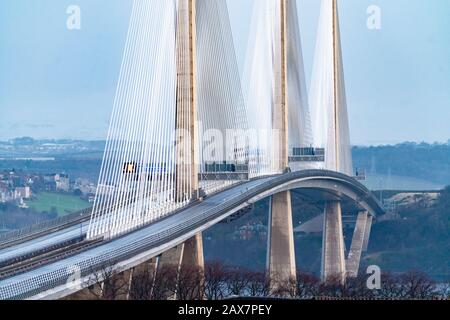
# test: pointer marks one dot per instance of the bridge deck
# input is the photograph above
(157, 237)
(43, 241)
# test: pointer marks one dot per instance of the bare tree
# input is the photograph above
(357, 288)
(307, 285)
(283, 288)
(218, 281)
(165, 283)
(106, 283)
(258, 285)
(390, 287)
(168, 282)
(238, 280)
(333, 287)
(142, 285)
(417, 285)
(216, 277)
(190, 283)
(445, 290)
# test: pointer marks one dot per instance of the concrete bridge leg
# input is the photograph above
(281, 251)
(193, 261)
(173, 257)
(188, 256)
(367, 233)
(169, 259)
(333, 257)
(354, 255)
(146, 267)
(193, 252)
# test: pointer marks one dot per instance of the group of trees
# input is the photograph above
(219, 281)
(12, 217)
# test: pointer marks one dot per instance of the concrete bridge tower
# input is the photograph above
(187, 144)
(281, 252)
(333, 250)
(187, 158)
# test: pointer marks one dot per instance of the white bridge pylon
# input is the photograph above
(262, 78)
(166, 83)
(327, 94)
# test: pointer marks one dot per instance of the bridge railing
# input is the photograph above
(12, 236)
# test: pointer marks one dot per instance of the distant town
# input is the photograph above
(20, 186)
(45, 179)
(31, 167)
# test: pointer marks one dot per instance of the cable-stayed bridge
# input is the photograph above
(188, 146)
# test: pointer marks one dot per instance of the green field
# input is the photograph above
(63, 203)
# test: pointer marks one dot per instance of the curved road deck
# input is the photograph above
(49, 281)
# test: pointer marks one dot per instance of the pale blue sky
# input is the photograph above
(56, 83)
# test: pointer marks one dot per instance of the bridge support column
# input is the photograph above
(280, 251)
(333, 257)
(193, 252)
(146, 267)
(354, 255)
(367, 233)
(164, 288)
(189, 253)
(187, 153)
(173, 257)
(193, 265)
(187, 258)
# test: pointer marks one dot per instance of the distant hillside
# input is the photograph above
(57, 148)
(428, 162)
(419, 240)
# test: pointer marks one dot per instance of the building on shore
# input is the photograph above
(22, 193)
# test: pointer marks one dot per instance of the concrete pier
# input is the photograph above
(188, 255)
(367, 233)
(193, 252)
(333, 257)
(354, 255)
(172, 257)
(187, 153)
(281, 252)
